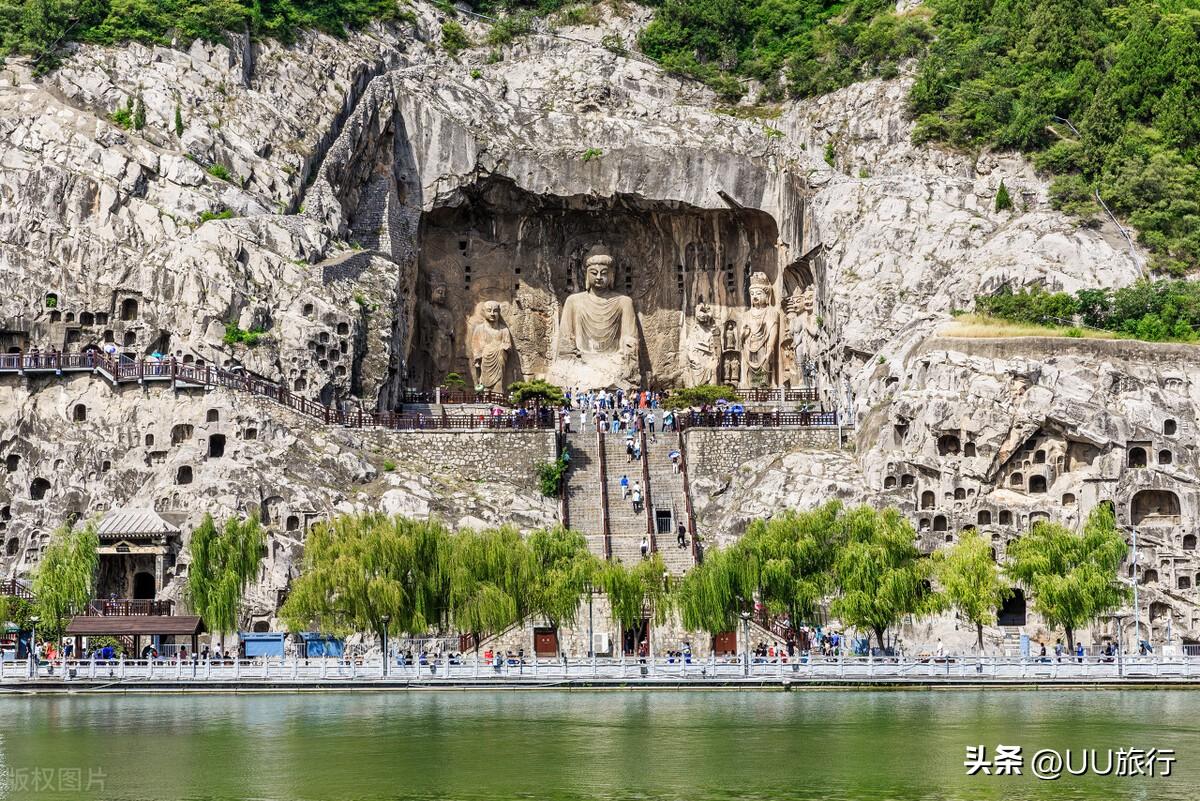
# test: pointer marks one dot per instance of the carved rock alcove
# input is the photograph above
(494, 241)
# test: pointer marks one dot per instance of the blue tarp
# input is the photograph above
(318, 645)
(262, 643)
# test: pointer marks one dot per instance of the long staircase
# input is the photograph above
(596, 507)
(626, 527)
(670, 497)
(585, 501)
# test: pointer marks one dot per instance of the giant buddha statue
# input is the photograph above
(598, 338)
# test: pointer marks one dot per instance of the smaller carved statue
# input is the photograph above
(490, 343)
(703, 348)
(760, 335)
(802, 334)
(438, 333)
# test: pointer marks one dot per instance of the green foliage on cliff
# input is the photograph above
(1155, 311)
(37, 26)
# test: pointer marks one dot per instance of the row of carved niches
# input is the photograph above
(508, 287)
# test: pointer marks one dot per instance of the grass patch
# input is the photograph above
(984, 326)
(223, 214)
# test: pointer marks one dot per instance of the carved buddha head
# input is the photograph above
(704, 315)
(438, 294)
(599, 273)
(760, 290)
(491, 311)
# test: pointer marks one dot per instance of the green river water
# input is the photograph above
(644, 746)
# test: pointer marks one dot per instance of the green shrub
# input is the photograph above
(236, 336)
(1003, 201)
(476, 74)
(510, 27)
(123, 117)
(591, 154)
(614, 43)
(550, 476)
(139, 114)
(389, 466)
(454, 38)
(830, 154)
(178, 120)
(223, 214)
(220, 171)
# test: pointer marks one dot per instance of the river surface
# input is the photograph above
(640, 746)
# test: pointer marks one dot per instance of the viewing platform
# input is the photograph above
(119, 369)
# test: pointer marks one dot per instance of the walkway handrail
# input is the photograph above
(684, 669)
(646, 496)
(129, 607)
(602, 459)
(687, 496)
(776, 419)
(120, 368)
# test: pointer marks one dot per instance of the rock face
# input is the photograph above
(332, 215)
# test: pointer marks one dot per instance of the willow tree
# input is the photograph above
(490, 574)
(222, 565)
(713, 595)
(66, 576)
(879, 572)
(370, 572)
(971, 581)
(792, 556)
(1071, 576)
(634, 590)
(564, 572)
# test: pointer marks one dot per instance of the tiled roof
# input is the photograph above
(129, 522)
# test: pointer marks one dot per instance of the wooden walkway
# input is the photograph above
(120, 370)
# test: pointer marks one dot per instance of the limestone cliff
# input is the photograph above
(321, 193)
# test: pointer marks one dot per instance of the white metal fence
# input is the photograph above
(663, 669)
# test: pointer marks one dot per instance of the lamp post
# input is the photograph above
(1120, 618)
(385, 619)
(1137, 612)
(34, 620)
(746, 643)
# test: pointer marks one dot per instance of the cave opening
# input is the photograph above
(525, 251)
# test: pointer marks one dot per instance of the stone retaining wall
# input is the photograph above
(493, 456)
(717, 452)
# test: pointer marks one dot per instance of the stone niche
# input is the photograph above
(497, 242)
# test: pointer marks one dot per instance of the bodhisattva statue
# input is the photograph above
(490, 343)
(803, 331)
(598, 336)
(760, 335)
(438, 333)
(703, 349)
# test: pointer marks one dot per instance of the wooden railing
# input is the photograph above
(693, 419)
(604, 525)
(15, 588)
(687, 497)
(125, 607)
(779, 395)
(646, 498)
(455, 396)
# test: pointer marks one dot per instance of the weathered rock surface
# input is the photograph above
(362, 173)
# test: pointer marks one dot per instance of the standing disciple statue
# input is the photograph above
(760, 335)
(598, 338)
(490, 342)
(703, 349)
